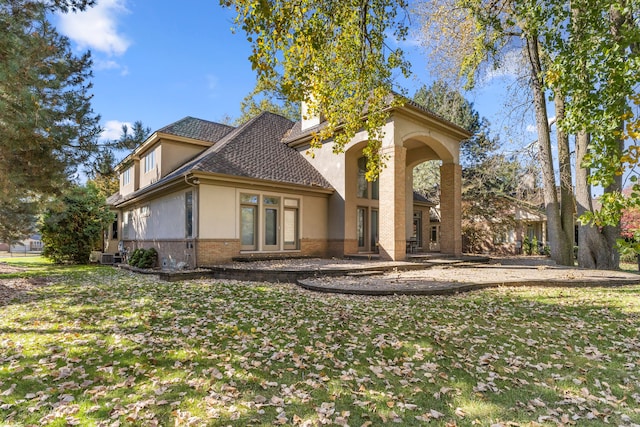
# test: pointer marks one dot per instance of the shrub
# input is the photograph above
(535, 250)
(143, 258)
(148, 258)
(134, 259)
(72, 225)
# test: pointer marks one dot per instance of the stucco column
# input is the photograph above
(392, 206)
(450, 208)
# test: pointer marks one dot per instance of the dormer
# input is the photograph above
(167, 149)
(129, 174)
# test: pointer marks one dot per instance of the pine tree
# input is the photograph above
(47, 126)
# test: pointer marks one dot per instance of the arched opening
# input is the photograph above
(362, 201)
(432, 176)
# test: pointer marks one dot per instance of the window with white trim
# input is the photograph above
(126, 177)
(150, 161)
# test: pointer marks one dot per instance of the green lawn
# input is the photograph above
(97, 346)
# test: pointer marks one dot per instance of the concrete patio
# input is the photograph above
(420, 275)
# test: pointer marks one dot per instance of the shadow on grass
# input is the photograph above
(247, 354)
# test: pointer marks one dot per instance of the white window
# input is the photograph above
(269, 223)
(150, 161)
(145, 211)
(126, 177)
(125, 225)
(249, 221)
(188, 210)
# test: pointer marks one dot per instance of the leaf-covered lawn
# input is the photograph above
(97, 346)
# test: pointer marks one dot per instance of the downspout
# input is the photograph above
(195, 202)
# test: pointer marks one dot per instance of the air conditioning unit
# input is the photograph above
(106, 259)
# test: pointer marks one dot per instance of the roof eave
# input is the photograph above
(217, 177)
(409, 108)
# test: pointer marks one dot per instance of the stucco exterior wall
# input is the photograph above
(147, 178)
(314, 218)
(175, 154)
(439, 145)
(219, 212)
(161, 218)
(129, 188)
(218, 216)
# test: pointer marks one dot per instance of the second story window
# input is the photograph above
(150, 161)
(365, 189)
(126, 177)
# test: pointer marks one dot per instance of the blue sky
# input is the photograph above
(159, 61)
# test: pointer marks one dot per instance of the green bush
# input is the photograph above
(134, 259)
(629, 257)
(535, 250)
(148, 258)
(143, 258)
(72, 225)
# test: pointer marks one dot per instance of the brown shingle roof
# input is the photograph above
(256, 150)
(203, 130)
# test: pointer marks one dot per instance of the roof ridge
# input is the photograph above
(240, 130)
(196, 119)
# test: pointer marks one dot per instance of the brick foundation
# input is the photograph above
(314, 248)
(217, 251)
(170, 252)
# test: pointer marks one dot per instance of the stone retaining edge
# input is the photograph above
(449, 288)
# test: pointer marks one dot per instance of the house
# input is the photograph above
(204, 193)
(30, 244)
(518, 225)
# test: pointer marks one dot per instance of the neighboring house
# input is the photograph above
(204, 193)
(519, 222)
(33, 243)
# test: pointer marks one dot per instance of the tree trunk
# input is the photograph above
(595, 249)
(596, 246)
(561, 250)
(567, 201)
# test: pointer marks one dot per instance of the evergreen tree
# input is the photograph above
(489, 179)
(47, 126)
(72, 226)
(263, 99)
(17, 219)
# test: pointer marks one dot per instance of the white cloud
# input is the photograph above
(99, 65)
(105, 65)
(97, 27)
(532, 128)
(112, 129)
(511, 66)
